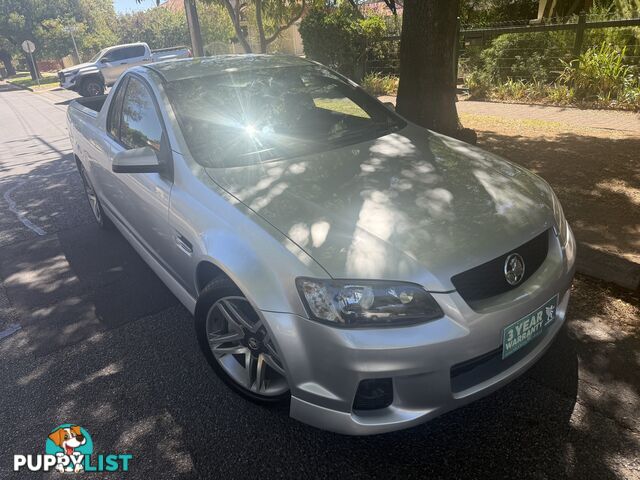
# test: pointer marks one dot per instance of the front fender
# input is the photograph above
(264, 268)
(256, 256)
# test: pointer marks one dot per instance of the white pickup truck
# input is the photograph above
(90, 79)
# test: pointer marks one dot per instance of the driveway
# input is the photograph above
(89, 335)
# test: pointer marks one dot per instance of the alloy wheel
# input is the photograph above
(242, 346)
(94, 203)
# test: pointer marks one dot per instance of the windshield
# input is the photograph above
(244, 118)
(97, 56)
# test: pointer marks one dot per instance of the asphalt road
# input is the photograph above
(102, 343)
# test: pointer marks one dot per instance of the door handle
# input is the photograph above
(184, 244)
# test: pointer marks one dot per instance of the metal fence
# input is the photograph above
(551, 43)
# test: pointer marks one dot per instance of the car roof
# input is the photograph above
(123, 45)
(180, 69)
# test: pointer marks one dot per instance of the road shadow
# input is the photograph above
(41, 195)
(59, 269)
(7, 87)
(607, 339)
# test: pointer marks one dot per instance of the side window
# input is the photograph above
(111, 56)
(130, 52)
(137, 51)
(115, 111)
(123, 53)
(140, 125)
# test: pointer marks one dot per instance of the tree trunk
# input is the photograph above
(427, 89)
(234, 14)
(261, 36)
(5, 57)
(194, 28)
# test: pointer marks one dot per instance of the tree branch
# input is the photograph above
(291, 21)
(355, 7)
(391, 4)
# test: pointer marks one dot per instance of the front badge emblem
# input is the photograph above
(514, 269)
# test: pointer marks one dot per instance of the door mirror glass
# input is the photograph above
(137, 160)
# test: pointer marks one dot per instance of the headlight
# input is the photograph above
(374, 303)
(562, 227)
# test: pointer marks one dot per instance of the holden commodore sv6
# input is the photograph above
(370, 272)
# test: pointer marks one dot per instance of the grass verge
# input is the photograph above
(24, 80)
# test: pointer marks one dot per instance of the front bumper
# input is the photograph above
(325, 365)
(67, 82)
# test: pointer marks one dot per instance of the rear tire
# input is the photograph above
(233, 361)
(94, 202)
(91, 87)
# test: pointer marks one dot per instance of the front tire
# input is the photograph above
(237, 345)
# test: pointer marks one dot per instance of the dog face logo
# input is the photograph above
(68, 438)
(70, 443)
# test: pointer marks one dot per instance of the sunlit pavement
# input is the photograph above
(103, 344)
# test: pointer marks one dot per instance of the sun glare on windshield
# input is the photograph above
(240, 118)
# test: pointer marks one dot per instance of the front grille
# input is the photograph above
(488, 279)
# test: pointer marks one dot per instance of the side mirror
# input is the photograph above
(138, 160)
(390, 106)
(104, 60)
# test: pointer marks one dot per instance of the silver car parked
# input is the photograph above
(373, 273)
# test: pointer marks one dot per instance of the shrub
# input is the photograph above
(521, 90)
(377, 84)
(631, 96)
(599, 74)
(532, 56)
(479, 84)
(628, 37)
(560, 94)
(511, 90)
(340, 39)
(598, 78)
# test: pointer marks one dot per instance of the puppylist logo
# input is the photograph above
(69, 448)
